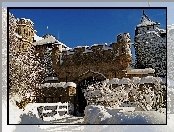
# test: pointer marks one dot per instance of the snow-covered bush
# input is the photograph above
(145, 92)
(101, 94)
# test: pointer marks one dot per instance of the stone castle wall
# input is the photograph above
(108, 60)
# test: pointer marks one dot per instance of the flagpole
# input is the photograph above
(58, 35)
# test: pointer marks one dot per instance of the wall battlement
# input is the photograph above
(107, 59)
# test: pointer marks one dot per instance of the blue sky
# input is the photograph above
(78, 27)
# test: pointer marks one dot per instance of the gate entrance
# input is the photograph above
(81, 87)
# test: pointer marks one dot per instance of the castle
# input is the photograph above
(68, 69)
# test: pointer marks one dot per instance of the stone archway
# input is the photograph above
(84, 80)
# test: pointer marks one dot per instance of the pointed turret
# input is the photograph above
(145, 21)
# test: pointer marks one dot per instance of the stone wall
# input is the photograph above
(109, 60)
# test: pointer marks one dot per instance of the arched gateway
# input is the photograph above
(86, 79)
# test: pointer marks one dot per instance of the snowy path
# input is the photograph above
(68, 120)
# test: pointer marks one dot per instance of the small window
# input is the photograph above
(24, 31)
(123, 50)
(147, 28)
(19, 31)
(16, 30)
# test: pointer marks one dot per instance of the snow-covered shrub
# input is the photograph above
(145, 92)
(101, 94)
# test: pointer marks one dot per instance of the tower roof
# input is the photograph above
(145, 21)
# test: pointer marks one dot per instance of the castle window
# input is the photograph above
(24, 31)
(37, 47)
(147, 28)
(29, 33)
(16, 30)
(19, 31)
(123, 50)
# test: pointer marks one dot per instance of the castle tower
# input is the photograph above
(150, 46)
(124, 43)
(25, 28)
(25, 33)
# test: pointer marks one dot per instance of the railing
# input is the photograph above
(53, 110)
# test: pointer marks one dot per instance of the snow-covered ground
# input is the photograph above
(103, 115)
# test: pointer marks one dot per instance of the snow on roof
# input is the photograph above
(37, 38)
(150, 79)
(46, 40)
(63, 44)
(49, 39)
(69, 52)
(162, 30)
(105, 47)
(140, 71)
(135, 80)
(65, 49)
(145, 21)
(72, 84)
(51, 78)
(56, 85)
(150, 33)
(87, 50)
(27, 20)
(114, 81)
(81, 46)
(124, 81)
(98, 44)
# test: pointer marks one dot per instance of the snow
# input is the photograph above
(97, 45)
(51, 78)
(70, 52)
(49, 39)
(105, 47)
(27, 20)
(124, 81)
(46, 40)
(17, 35)
(150, 79)
(140, 71)
(72, 84)
(114, 81)
(56, 85)
(145, 21)
(37, 38)
(82, 46)
(123, 37)
(135, 80)
(87, 50)
(105, 115)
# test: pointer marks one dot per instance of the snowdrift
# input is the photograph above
(105, 115)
